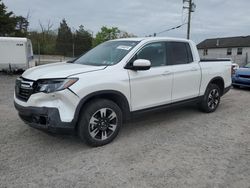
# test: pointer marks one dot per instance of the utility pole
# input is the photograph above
(189, 19)
(73, 49)
(73, 41)
(39, 52)
(191, 8)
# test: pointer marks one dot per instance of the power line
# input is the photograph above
(176, 27)
(172, 28)
(191, 8)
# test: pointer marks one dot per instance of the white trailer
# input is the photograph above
(16, 53)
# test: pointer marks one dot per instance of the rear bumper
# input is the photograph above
(44, 118)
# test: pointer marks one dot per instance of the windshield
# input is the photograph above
(247, 65)
(107, 53)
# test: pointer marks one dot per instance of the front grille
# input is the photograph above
(245, 76)
(24, 88)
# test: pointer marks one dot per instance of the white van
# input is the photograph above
(15, 53)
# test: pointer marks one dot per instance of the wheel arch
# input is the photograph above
(219, 81)
(112, 95)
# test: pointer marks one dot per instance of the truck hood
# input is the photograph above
(58, 70)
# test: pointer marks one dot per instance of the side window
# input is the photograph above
(229, 51)
(239, 51)
(204, 52)
(154, 52)
(179, 52)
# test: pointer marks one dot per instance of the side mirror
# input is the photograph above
(141, 64)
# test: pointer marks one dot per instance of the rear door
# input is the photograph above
(186, 72)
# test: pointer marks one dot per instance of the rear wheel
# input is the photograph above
(211, 99)
(100, 122)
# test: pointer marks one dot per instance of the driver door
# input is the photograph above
(150, 88)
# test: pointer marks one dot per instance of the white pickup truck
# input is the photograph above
(96, 92)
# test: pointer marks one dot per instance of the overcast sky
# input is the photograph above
(212, 18)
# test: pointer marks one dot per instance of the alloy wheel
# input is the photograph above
(213, 99)
(103, 124)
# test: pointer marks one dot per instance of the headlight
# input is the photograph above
(52, 85)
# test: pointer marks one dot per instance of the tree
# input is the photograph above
(47, 39)
(106, 34)
(22, 25)
(124, 34)
(44, 42)
(64, 39)
(11, 25)
(110, 33)
(7, 21)
(82, 41)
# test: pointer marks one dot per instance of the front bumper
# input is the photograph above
(44, 118)
(245, 82)
(240, 84)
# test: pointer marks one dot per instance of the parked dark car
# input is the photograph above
(241, 77)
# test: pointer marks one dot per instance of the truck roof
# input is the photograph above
(152, 39)
(16, 39)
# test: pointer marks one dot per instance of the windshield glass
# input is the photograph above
(247, 65)
(107, 53)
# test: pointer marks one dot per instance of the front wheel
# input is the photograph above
(100, 122)
(211, 99)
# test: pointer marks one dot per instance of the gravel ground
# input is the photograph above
(173, 148)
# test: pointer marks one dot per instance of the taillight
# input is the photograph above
(233, 70)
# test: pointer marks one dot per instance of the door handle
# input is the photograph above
(166, 73)
(193, 69)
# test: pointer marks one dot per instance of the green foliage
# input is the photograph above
(50, 42)
(64, 43)
(43, 42)
(110, 33)
(82, 41)
(22, 25)
(124, 34)
(11, 25)
(106, 34)
(7, 21)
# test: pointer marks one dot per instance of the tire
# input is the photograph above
(211, 99)
(99, 122)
